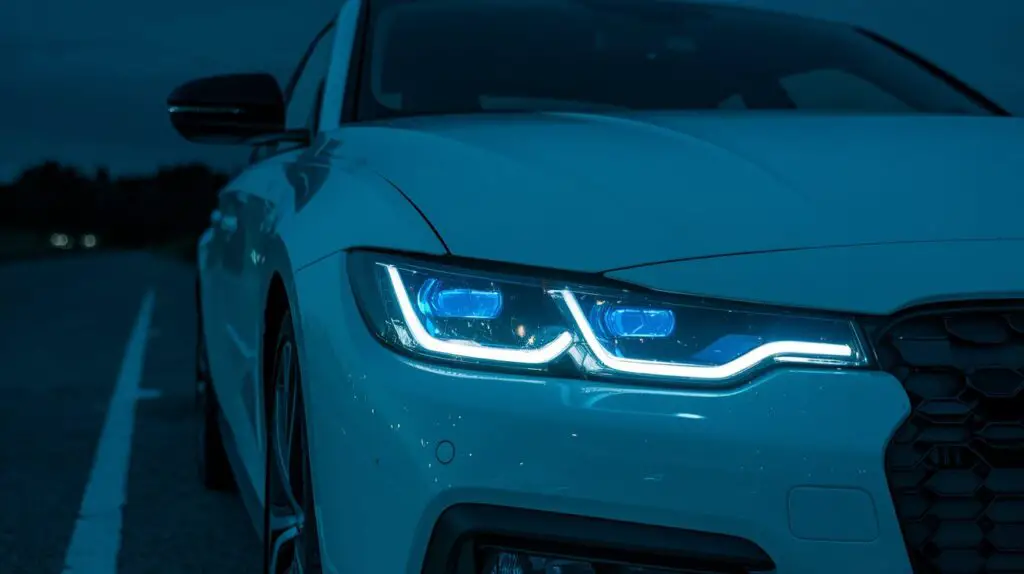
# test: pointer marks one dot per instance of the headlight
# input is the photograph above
(496, 320)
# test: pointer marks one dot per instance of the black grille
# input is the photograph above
(956, 466)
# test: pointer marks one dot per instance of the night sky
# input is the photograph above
(84, 82)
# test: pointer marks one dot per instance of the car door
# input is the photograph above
(256, 208)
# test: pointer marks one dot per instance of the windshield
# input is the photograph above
(427, 57)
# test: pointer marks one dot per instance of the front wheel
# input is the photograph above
(290, 538)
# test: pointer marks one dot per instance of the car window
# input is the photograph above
(503, 55)
(305, 93)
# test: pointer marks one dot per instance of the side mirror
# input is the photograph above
(228, 109)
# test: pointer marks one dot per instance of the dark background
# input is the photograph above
(167, 209)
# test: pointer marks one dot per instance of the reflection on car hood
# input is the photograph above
(597, 192)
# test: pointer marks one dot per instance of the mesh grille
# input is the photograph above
(956, 465)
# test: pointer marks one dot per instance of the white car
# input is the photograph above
(610, 286)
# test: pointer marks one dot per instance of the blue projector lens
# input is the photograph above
(639, 322)
(437, 300)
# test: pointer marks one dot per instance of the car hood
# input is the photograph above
(592, 192)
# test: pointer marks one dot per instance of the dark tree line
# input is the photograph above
(133, 211)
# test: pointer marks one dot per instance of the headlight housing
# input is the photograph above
(497, 320)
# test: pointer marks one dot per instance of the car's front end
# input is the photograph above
(824, 374)
(765, 318)
(468, 418)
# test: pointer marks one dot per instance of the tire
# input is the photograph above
(290, 540)
(214, 469)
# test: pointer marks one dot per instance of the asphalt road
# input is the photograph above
(66, 327)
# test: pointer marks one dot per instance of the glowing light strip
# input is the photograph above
(690, 371)
(471, 349)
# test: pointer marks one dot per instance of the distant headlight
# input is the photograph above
(60, 240)
(490, 319)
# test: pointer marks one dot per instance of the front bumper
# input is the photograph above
(792, 465)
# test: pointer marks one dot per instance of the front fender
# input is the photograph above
(328, 205)
(350, 206)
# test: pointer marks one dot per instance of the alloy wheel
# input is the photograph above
(292, 545)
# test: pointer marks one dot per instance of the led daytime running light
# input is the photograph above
(471, 349)
(778, 350)
(789, 351)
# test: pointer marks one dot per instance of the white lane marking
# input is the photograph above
(96, 540)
